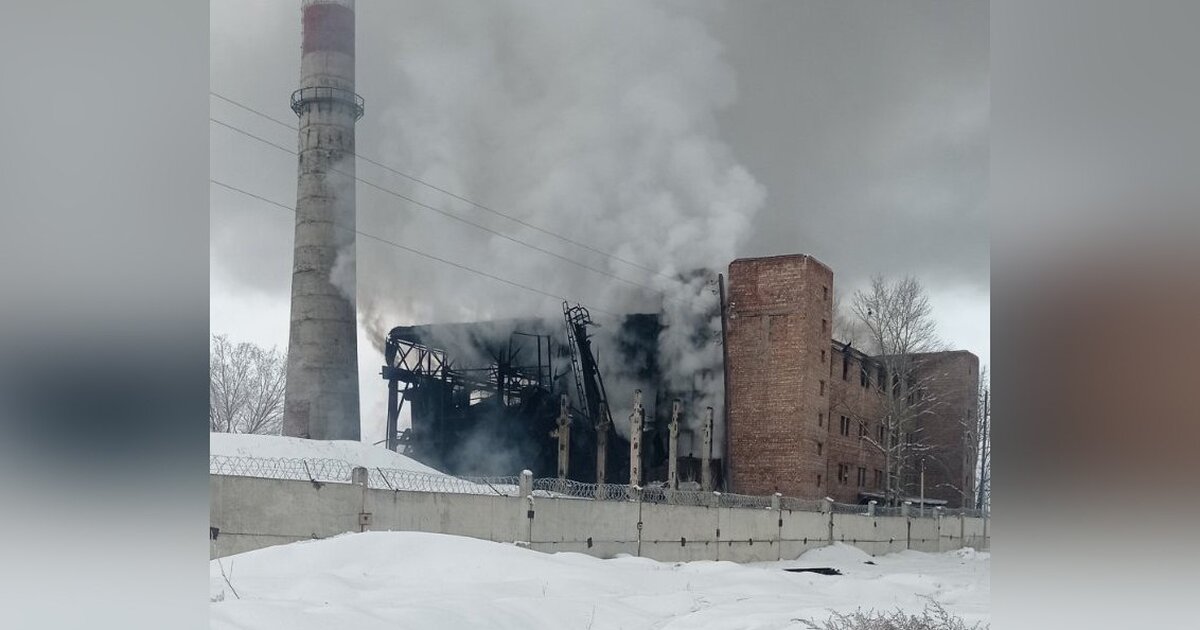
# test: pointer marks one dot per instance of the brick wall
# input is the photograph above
(779, 320)
(860, 406)
(952, 379)
(787, 393)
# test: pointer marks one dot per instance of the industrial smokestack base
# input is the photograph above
(321, 400)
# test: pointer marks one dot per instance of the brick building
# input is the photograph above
(802, 405)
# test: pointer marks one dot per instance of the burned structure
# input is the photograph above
(807, 413)
(804, 413)
(497, 397)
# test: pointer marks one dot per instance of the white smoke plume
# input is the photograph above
(592, 120)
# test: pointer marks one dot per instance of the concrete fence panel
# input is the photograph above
(679, 533)
(923, 534)
(250, 513)
(802, 531)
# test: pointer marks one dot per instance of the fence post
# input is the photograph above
(962, 530)
(827, 509)
(777, 506)
(358, 477)
(526, 483)
(871, 507)
(940, 513)
(525, 505)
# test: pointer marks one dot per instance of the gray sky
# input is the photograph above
(853, 131)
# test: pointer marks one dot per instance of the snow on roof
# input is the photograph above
(280, 447)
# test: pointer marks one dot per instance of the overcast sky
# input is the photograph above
(853, 131)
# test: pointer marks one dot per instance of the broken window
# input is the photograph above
(845, 428)
(845, 365)
(820, 448)
(862, 477)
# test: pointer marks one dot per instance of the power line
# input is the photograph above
(457, 196)
(448, 215)
(409, 249)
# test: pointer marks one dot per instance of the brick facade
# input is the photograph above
(801, 403)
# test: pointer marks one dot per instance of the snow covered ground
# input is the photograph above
(378, 580)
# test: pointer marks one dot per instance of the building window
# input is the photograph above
(881, 434)
(843, 473)
(862, 477)
(845, 428)
(820, 448)
(862, 429)
(825, 293)
(845, 366)
(863, 378)
(822, 357)
(820, 418)
(824, 326)
(881, 379)
(822, 388)
(818, 480)
(878, 478)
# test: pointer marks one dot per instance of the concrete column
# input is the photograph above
(321, 399)
(526, 483)
(776, 501)
(673, 449)
(635, 440)
(906, 509)
(706, 452)
(602, 428)
(871, 507)
(563, 432)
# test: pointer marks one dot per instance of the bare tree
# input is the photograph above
(983, 486)
(897, 326)
(245, 387)
(847, 328)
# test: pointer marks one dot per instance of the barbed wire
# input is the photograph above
(323, 470)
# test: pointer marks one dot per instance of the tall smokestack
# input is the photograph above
(321, 401)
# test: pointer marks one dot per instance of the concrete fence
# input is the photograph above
(252, 512)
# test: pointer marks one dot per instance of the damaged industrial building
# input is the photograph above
(796, 413)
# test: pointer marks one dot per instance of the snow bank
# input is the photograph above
(837, 554)
(378, 580)
(277, 446)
